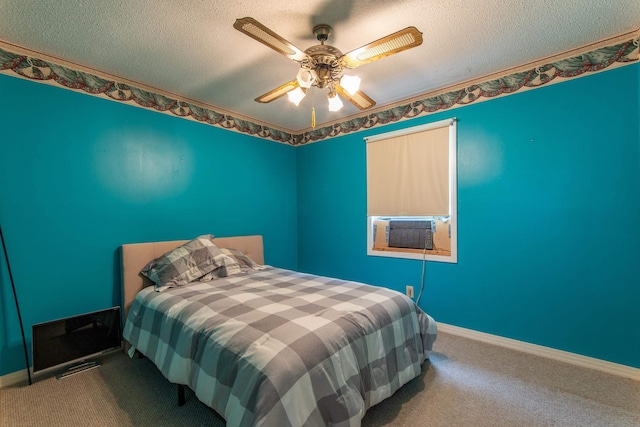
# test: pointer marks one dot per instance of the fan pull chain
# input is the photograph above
(313, 109)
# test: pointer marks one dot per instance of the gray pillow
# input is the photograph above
(244, 262)
(240, 263)
(187, 263)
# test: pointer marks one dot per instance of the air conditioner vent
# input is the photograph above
(411, 234)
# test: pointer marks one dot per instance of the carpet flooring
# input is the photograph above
(465, 383)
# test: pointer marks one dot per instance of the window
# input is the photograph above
(412, 192)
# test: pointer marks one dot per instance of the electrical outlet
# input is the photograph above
(410, 291)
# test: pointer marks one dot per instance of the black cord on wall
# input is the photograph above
(15, 297)
(424, 262)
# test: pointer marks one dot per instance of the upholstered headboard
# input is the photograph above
(137, 255)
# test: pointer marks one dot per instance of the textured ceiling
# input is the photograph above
(189, 48)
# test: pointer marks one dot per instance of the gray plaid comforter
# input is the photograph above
(277, 347)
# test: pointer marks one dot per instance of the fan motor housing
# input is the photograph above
(324, 61)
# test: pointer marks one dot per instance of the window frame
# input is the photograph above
(453, 198)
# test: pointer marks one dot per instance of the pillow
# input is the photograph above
(187, 263)
(244, 262)
(240, 263)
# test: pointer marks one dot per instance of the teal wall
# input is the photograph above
(548, 218)
(80, 176)
(548, 208)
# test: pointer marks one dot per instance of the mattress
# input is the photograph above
(277, 347)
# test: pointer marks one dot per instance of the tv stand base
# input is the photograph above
(83, 366)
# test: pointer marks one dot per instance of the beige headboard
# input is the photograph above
(137, 255)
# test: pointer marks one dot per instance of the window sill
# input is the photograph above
(442, 252)
(440, 255)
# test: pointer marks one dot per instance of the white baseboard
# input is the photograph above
(550, 353)
(537, 350)
(13, 378)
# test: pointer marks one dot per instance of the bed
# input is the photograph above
(266, 346)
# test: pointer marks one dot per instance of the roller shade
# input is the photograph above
(408, 175)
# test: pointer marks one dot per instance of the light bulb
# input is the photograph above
(296, 95)
(350, 83)
(306, 77)
(335, 103)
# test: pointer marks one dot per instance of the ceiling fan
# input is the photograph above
(322, 65)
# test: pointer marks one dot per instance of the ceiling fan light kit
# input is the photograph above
(350, 83)
(322, 65)
(335, 104)
(296, 95)
(306, 77)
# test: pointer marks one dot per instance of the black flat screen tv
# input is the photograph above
(75, 339)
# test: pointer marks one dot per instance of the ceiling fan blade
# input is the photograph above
(393, 43)
(264, 35)
(359, 99)
(278, 92)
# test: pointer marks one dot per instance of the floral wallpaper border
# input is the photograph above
(596, 60)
